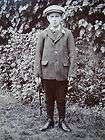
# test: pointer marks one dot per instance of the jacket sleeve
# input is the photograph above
(72, 55)
(38, 56)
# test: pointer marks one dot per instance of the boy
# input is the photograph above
(55, 55)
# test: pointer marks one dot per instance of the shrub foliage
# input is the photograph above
(20, 23)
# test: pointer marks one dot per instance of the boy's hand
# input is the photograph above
(38, 81)
(70, 79)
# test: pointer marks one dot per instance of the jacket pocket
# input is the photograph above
(44, 63)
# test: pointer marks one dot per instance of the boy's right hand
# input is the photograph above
(38, 81)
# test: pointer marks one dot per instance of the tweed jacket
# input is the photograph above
(55, 56)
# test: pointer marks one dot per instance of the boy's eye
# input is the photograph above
(57, 16)
(51, 16)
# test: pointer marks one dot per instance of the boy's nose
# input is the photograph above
(55, 19)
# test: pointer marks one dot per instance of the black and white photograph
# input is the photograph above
(52, 69)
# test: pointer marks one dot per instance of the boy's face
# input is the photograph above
(54, 19)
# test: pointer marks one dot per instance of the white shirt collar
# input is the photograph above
(55, 29)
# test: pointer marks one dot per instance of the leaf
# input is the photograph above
(89, 26)
(103, 26)
(103, 91)
(75, 3)
(102, 49)
(100, 6)
(36, 7)
(85, 3)
(96, 26)
(21, 8)
(68, 2)
(83, 23)
(82, 31)
(98, 32)
(103, 11)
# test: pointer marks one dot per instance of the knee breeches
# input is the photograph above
(55, 91)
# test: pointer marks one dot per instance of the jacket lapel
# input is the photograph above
(59, 36)
(50, 34)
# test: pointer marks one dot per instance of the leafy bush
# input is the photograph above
(20, 22)
(17, 64)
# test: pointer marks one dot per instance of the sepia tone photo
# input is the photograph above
(52, 70)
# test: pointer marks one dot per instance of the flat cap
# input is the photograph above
(53, 8)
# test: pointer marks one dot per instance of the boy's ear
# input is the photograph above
(63, 16)
(48, 17)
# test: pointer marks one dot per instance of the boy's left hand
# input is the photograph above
(38, 81)
(70, 79)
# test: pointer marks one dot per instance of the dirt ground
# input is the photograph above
(22, 122)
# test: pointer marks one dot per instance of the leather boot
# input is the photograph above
(62, 125)
(48, 125)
